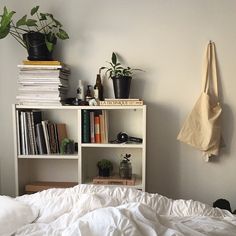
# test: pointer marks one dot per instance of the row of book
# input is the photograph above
(36, 136)
(42, 84)
(94, 126)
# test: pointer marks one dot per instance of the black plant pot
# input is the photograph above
(36, 47)
(121, 86)
(104, 172)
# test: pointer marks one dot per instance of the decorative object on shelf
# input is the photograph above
(37, 34)
(125, 169)
(123, 137)
(98, 88)
(42, 84)
(121, 77)
(88, 95)
(67, 146)
(104, 167)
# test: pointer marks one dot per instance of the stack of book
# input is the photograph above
(36, 136)
(42, 83)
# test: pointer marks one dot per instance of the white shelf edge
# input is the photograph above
(58, 157)
(19, 106)
(111, 145)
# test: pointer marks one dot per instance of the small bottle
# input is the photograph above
(80, 91)
(88, 95)
(98, 88)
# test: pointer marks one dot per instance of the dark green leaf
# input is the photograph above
(21, 21)
(42, 17)
(114, 58)
(57, 22)
(31, 22)
(62, 34)
(34, 10)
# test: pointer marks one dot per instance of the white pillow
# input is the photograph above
(14, 214)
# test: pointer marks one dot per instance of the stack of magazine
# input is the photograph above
(42, 83)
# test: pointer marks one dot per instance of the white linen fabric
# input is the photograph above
(14, 214)
(110, 210)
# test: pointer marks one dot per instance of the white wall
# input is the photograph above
(166, 38)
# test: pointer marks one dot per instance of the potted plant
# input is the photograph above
(120, 75)
(125, 169)
(104, 167)
(37, 33)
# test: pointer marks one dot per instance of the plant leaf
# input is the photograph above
(42, 17)
(31, 22)
(62, 34)
(49, 45)
(114, 58)
(34, 10)
(57, 22)
(4, 31)
(21, 21)
(6, 18)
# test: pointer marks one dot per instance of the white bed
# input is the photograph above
(102, 210)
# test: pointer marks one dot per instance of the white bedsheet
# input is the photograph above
(91, 210)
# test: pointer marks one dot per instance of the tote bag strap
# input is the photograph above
(210, 77)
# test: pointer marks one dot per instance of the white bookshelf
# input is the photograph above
(81, 167)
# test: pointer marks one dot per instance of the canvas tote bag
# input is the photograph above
(202, 128)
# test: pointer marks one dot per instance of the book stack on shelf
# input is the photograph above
(42, 83)
(94, 126)
(36, 136)
(121, 102)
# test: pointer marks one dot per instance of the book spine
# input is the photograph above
(97, 129)
(42, 149)
(33, 133)
(85, 126)
(61, 133)
(121, 103)
(102, 126)
(92, 134)
(22, 128)
(18, 132)
(46, 135)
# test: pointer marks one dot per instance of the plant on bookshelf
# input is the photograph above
(120, 75)
(38, 34)
(104, 167)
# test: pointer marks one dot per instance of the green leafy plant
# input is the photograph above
(116, 69)
(37, 22)
(105, 164)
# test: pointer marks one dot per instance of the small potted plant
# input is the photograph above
(104, 167)
(37, 33)
(125, 170)
(120, 75)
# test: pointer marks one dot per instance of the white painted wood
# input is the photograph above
(81, 167)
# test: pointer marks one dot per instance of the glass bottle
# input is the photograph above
(88, 95)
(80, 91)
(98, 88)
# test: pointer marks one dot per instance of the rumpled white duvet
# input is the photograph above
(92, 210)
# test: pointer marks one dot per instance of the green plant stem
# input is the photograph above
(40, 23)
(43, 28)
(18, 39)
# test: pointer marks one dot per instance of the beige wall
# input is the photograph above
(167, 39)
